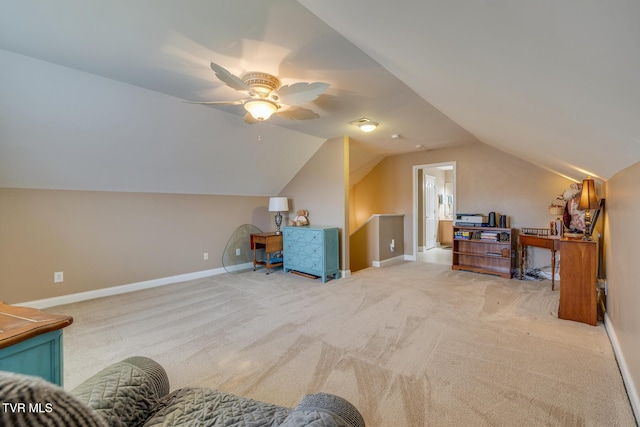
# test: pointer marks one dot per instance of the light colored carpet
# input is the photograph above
(413, 344)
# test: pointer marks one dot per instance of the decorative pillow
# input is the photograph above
(573, 218)
(577, 216)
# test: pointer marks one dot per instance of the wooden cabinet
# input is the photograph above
(31, 342)
(445, 232)
(312, 250)
(489, 250)
(578, 281)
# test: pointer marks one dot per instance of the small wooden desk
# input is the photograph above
(271, 242)
(551, 243)
(31, 342)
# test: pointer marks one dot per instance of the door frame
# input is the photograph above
(415, 189)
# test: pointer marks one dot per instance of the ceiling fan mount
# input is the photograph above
(261, 82)
(266, 96)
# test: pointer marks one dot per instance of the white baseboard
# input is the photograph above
(632, 390)
(116, 290)
(345, 273)
(387, 262)
(410, 258)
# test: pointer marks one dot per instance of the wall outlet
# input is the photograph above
(58, 277)
(206, 256)
(237, 251)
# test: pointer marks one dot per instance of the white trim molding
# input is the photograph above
(632, 390)
(122, 289)
(389, 261)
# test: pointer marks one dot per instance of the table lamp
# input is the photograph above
(278, 204)
(588, 201)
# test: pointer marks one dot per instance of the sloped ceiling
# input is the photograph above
(552, 82)
(92, 91)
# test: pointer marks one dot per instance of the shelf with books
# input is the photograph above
(488, 250)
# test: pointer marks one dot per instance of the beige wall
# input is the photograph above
(486, 179)
(364, 248)
(105, 239)
(391, 228)
(321, 187)
(622, 235)
(371, 242)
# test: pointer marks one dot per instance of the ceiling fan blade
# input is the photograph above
(229, 79)
(249, 119)
(298, 113)
(299, 93)
(236, 102)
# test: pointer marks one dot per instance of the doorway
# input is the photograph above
(429, 209)
(429, 220)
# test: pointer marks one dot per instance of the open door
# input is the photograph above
(430, 225)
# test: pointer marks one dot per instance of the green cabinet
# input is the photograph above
(31, 342)
(312, 250)
(39, 356)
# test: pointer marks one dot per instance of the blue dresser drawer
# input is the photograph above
(311, 250)
(304, 235)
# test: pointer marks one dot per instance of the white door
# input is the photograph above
(430, 212)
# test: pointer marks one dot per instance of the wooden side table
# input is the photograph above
(551, 243)
(272, 243)
(31, 342)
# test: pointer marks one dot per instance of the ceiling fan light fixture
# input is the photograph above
(368, 126)
(261, 109)
(365, 124)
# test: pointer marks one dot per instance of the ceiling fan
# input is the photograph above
(267, 96)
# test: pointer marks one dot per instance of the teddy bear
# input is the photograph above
(302, 218)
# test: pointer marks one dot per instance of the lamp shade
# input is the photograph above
(278, 204)
(261, 109)
(588, 198)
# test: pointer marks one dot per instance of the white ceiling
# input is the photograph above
(91, 91)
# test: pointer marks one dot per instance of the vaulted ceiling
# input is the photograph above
(91, 93)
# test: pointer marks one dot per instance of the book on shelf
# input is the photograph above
(462, 235)
(495, 254)
(489, 235)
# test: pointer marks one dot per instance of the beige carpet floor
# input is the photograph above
(414, 344)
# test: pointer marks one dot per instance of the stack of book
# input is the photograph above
(462, 235)
(489, 235)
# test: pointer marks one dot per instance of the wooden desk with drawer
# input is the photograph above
(271, 243)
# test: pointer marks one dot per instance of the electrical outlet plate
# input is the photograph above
(206, 256)
(58, 277)
(237, 251)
